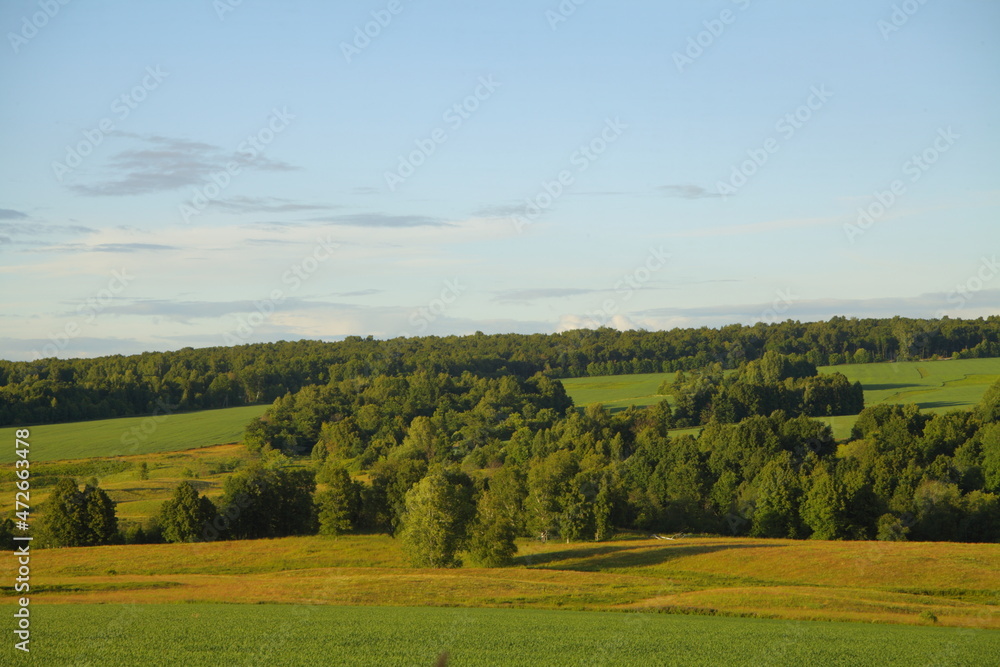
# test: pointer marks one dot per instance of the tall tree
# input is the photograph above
(439, 510)
(339, 504)
(184, 515)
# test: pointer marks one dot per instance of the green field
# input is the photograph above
(213, 634)
(934, 386)
(134, 435)
(617, 392)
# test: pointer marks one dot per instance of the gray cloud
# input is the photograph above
(162, 164)
(511, 296)
(11, 214)
(39, 229)
(243, 204)
(687, 191)
(111, 247)
(499, 211)
(382, 220)
(924, 305)
(363, 292)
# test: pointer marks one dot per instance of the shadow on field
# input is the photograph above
(940, 404)
(619, 557)
(894, 385)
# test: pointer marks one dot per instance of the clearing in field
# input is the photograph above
(137, 499)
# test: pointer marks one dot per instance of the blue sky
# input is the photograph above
(201, 173)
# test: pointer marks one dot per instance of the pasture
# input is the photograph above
(306, 634)
(137, 499)
(934, 386)
(887, 582)
(134, 435)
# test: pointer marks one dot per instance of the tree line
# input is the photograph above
(63, 390)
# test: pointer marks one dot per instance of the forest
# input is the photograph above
(64, 390)
(460, 466)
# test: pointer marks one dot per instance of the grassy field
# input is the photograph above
(782, 579)
(935, 386)
(134, 435)
(303, 634)
(137, 499)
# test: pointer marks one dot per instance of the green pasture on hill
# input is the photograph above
(133, 435)
(934, 386)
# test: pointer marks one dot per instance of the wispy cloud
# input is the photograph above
(41, 229)
(160, 164)
(524, 295)
(499, 210)
(764, 227)
(382, 220)
(687, 191)
(243, 204)
(11, 214)
(109, 247)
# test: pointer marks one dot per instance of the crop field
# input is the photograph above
(617, 392)
(935, 386)
(300, 634)
(134, 435)
(901, 583)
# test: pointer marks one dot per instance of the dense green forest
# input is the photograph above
(558, 472)
(62, 390)
(773, 382)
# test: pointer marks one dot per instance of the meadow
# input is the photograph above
(137, 498)
(299, 634)
(934, 386)
(915, 583)
(134, 435)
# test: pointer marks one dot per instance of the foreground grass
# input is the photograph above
(302, 634)
(134, 435)
(901, 583)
